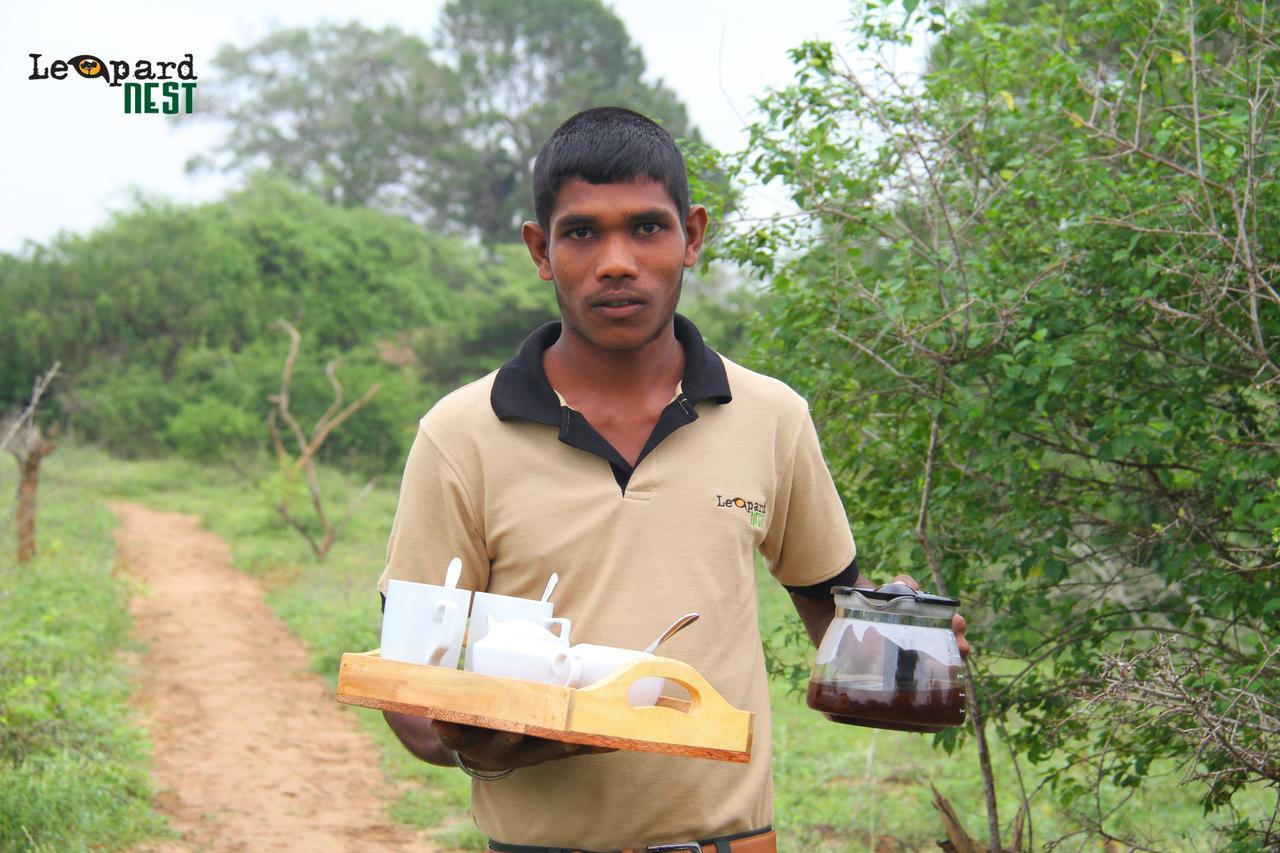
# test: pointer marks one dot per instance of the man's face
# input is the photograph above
(617, 254)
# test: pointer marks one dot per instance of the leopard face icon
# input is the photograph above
(87, 66)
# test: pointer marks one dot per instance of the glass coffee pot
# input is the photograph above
(889, 660)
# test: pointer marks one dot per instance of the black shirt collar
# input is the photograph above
(521, 389)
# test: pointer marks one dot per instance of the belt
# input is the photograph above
(756, 841)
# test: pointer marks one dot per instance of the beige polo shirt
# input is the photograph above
(520, 486)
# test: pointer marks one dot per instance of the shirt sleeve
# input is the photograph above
(435, 521)
(807, 540)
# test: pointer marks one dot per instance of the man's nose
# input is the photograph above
(616, 258)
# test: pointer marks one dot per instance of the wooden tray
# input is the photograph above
(705, 726)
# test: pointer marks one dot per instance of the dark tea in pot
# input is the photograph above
(889, 660)
(902, 710)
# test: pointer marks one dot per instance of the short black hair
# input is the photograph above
(608, 145)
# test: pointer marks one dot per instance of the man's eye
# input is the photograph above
(650, 228)
(580, 233)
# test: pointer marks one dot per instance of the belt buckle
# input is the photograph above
(690, 846)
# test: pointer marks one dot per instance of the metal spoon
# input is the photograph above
(676, 626)
(453, 573)
(551, 585)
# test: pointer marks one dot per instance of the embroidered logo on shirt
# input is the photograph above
(755, 510)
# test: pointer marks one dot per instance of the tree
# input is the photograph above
(1032, 299)
(446, 133)
(328, 109)
(308, 448)
(162, 320)
(29, 444)
(522, 68)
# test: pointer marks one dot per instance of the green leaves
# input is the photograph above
(445, 131)
(163, 321)
(1070, 314)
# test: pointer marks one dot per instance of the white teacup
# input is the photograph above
(518, 654)
(598, 662)
(423, 623)
(504, 608)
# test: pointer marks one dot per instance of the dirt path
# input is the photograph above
(251, 752)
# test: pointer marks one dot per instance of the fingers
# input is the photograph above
(959, 625)
(498, 752)
(458, 737)
(908, 580)
(536, 750)
(486, 749)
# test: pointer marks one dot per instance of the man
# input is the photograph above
(618, 450)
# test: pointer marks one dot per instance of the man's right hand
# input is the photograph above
(482, 749)
(488, 750)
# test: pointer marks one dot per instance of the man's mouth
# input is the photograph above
(618, 307)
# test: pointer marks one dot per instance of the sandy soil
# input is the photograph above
(251, 751)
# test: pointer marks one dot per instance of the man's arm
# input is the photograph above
(818, 610)
(417, 736)
(816, 615)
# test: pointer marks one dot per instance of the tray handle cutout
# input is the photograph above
(613, 689)
(709, 724)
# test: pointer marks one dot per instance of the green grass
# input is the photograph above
(73, 759)
(836, 787)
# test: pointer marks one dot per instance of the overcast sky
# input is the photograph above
(70, 154)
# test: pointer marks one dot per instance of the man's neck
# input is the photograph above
(579, 370)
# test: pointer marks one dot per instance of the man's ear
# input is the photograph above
(539, 249)
(695, 231)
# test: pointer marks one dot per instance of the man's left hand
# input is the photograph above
(957, 621)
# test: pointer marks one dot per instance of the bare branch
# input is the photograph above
(309, 446)
(322, 433)
(16, 423)
(286, 377)
(331, 374)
